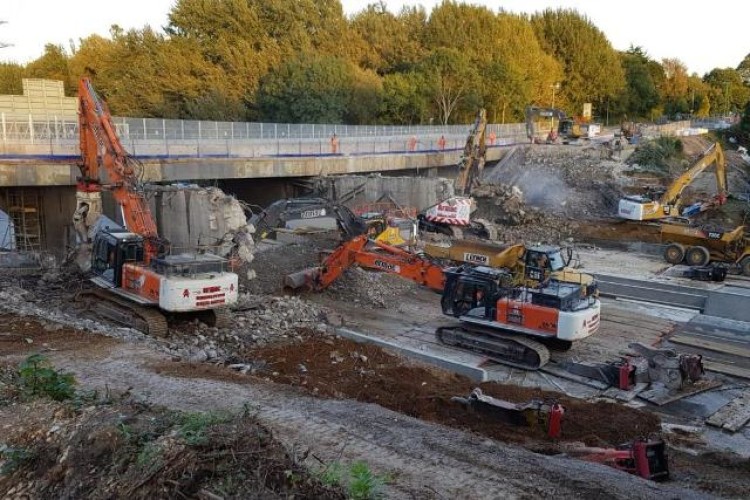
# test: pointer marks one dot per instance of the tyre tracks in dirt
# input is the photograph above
(425, 460)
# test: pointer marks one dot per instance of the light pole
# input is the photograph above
(555, 87)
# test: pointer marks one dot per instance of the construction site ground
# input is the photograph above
(355, 374)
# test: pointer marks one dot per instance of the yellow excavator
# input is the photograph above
(669, 204)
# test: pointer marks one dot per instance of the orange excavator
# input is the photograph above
(513, 325)
(140, 283)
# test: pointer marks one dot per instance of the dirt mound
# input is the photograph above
(339, 368)
(21, 336)
(128, 449)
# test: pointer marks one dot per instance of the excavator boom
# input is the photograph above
(101, 150)
(472, 162)
(669, 205)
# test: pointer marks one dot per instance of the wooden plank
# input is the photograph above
(734, 371)
(653, 323)
(664, 396)
(724, 347)
(732, 416)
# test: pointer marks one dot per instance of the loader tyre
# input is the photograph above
(745, 265)
(674, 253)
(697, 256)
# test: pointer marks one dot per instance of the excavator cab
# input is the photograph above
(541, 261)
(111, 250)
(468, 288)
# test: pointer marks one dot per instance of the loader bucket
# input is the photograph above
(301, 280)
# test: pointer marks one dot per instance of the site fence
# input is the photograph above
(155, 137)
(170, 138)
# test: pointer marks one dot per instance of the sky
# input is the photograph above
(703, 37)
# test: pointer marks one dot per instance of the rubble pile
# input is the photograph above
(504, 204)
(369, 290)
(255, 321)
(274, 261)
(566, 182)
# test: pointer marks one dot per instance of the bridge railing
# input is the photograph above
(58, 136)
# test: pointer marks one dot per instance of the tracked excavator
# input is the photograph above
(513, 325)
(140, 283)
(669, 205)
(313, 212)
(453, 216)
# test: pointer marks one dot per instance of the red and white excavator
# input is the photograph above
(141, 284)
(453, 216)
(513, 325)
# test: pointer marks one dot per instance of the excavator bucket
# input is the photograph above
(304, 279)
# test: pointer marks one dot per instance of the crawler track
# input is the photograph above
(148, 320)
(510, 349)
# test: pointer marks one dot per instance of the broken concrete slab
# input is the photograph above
(204, 219)
(733, 416)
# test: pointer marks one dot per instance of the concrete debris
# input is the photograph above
(368, 290)
(193, 217)
(256, 320)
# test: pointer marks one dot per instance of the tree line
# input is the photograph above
(304, 61)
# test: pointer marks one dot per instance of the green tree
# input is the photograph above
(521, 72)
(640, 94)
(744, 69)
(730, 94)
(450, 78)
(307, 90)
(592, 67)
(232, 39)
(404, 100)
(393, 43)
(365, 95)
(11, 75)
(52, 65)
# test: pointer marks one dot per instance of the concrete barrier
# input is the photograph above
(729, 302)
(473, 372)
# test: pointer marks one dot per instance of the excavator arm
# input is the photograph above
(102, 153)
(669, 204)
(471, 166)
(713, 154)
(373, 255)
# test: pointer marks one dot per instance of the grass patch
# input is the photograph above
(193, 426)
(39, 378)
(358, 479)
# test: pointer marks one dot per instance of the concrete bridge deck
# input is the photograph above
(21, 170)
